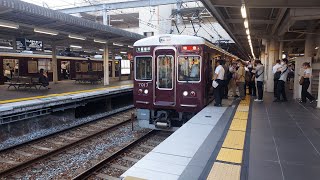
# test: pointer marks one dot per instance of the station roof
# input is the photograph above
(29, 16)
(283, 20)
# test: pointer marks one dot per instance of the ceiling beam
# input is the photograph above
(251, 21)
(266, 3)
(119, 5)
(279, 19)
(209, 5)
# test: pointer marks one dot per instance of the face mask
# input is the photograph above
(282, 63)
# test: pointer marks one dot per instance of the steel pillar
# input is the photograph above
(106, 65)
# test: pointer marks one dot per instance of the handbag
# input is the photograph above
(277, 75)
(215, 84)
(301, 80)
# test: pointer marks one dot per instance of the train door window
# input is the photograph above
(189, 68)
(117, 68)
(143, 68)
(32, 66)
(11, 67)
(99, 67)
(44, 64)
(78, 67)
(94, 66)
(165, 72)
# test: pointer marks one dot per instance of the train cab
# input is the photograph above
(172, 75)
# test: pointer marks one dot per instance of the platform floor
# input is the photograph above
(284, 141)
(60, 87)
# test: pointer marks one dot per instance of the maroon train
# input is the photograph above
(173, 78)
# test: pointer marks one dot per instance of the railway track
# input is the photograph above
(116, 164)
(23, 156)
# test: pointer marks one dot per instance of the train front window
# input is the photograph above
(165, 70)
(143, 68)
(189, 68)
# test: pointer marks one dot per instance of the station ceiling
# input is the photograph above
(284, 20)
(29, 16)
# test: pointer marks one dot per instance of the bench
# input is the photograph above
(88, 78)
(24, 82)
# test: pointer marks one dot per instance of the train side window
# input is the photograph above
(165, 69)
(143, 68)
(189, 68)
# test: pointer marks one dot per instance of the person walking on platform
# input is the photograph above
(219, 77)
(276, 76)
(240, 81)
(259, 75)
(305, 82)
(281, 89)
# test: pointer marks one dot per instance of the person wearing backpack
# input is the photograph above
(276, 76)
(281, 89)
(259, 75)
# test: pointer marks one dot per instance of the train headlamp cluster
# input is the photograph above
(143, 49)
(246, 26)
(146, 91)
(186, 93)
(190, 48)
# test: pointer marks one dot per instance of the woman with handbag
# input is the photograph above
(305, 83)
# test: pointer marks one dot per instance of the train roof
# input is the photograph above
(174, 39)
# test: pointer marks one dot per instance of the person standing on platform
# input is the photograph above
(232, 82)
(43, 78)
(240, 81)
(281, 88)
(276, 76)
(259, 76)
(219, 77)
(225, 81)
(306, 83)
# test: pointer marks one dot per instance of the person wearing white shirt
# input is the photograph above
(219, 77)
(281, 89)
(275, 79)
(259, 78)
(306, 83)
(64, 70)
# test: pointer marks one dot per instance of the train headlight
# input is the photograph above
(146, 91)
(185, 93)
(140, 91)
(193, 94)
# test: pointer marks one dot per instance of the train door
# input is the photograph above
(164, 77)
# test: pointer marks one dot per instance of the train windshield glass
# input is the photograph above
(143, 68)
(165, 67)
(189, 68)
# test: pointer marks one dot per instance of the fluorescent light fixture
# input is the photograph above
(101, 50)
(243, 11)
(117, 44)
(77, 37)
(74, 46)
(45, 31)
(116, 20)
(122, 52)
(9, 25)
(249, 37)
(246, 23)
(316, 47)
(247, 31)
(100, 41)
(5, 47)
(130, 46)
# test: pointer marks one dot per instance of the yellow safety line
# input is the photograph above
(62, 94)
(229, 159)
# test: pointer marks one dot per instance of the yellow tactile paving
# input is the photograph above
(133, 178)
(243, 108)
(61, 94)
(238, 125)
(230, 155)
(241, 115)
(234, 140)
(222, 171)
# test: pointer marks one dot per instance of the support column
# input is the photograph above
(54, 64)
(113, 66)
(309, 46)
(318, 105)
(106, 65)
(273, 53)
(14, 44)
(280, 50)
(105, 17)
(120, 69)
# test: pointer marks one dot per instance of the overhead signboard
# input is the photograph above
(29, 44)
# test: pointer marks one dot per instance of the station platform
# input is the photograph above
(12, 101)
(243, 140)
